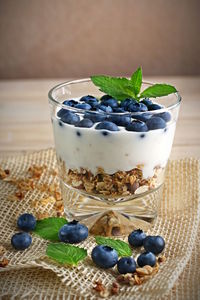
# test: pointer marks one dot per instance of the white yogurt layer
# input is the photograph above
(117, 151)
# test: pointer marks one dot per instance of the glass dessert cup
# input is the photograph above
(110, 180)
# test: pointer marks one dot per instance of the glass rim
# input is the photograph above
(84, 80)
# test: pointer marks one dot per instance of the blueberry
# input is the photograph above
(110, 102)
(137, 125)
(105, 97)
(73, 232)
(127, 102)
(107, 125)
(21, 240)
(120, 120)
(154, 107)
(146, 258)
(26, 222)
(136, 238)
(86, 123)
(155, 244)
(143, 117)
(94, 105)
(61, 112)
(147, 102)
(136, 107)
(95, 117)
(166, 116)
(155, 123)
(70, 118)
(118, 109)
(85, 106)
(104, 256)
(126, 265)
(70, 102)
(88, 98)
(105, 108)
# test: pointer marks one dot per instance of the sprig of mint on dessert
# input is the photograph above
(122, 88)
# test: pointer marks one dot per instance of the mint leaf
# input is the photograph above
(66, 253)
(136, 80)
(118, 88)
(121, 247)
(48, 228)
(158, 90)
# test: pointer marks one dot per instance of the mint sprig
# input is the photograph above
(65, 253)
(122, 88)
(121, 247)
(48, 228)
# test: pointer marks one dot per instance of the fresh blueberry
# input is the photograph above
(120, 120)
(73, 232)
(155, 123)
(105, 97)
(127, 102)
(137, 125)
(62, 112)
(166, 116)
(26, 222)
(142, 117)
(95, 117)
(154, 244)
(88, 98)
(110, 102)
(85, 106)
(107, 125)
(94, 105)
(154, 107)
(70, 118)
(126, 265)
(119, 110)
(70, 102)
(86, 123)
(146, 258)
(105, 108)
(104, 256)
(136, 238)
(147, 102)
(21, 240)
(136, 107)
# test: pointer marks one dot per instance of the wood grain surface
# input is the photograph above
(25, 118)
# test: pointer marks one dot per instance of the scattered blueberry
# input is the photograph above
(104, 256)
(155, 244)
(120, 120)
(142, 117)
(105, 97)
(147, 102)
(137, 125)
(73, 232)
(154, 107)
(85, 106)
(110, 102)
(155, 123)
(136, 107)
(70, 102)
(166, 116)
(21, 240)
(88, 98)
(107, 125)
(118, 109)
(105, 108)
(146, 258)
(126, 265)
(95, 117)
(61, 112)
(86, 123)
(26, 222)
(136, 238)
(70, 118)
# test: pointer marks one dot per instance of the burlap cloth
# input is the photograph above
(30, 275)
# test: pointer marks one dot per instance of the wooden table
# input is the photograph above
(25, 120)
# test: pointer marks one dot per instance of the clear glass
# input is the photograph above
(111, 176)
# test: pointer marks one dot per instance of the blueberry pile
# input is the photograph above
(103, 112)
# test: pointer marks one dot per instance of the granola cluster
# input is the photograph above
(118, 184)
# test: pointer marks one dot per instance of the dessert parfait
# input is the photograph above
(109, 148)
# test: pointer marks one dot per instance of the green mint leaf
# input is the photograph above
(158, 90)
(136, 80)
(121, 247)
(118, 88)
(66, 253)
(48, 228)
